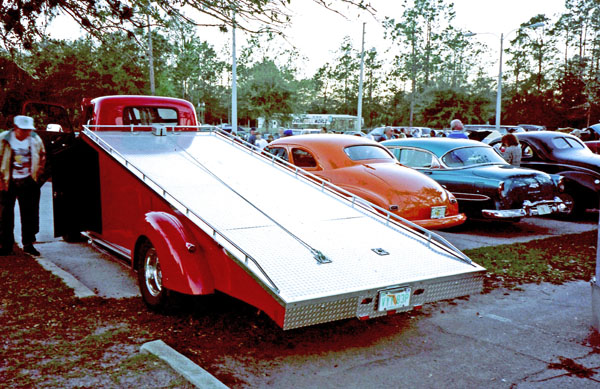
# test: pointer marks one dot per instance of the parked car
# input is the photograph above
(485, 185)
(564, 154)
(487, 133)
(532, 127)
(368, 170)
(591, 137)
(355, 133)
(594, 146)
(376, 133)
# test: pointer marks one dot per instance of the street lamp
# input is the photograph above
(499, 93)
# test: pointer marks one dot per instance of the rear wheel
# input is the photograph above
(150, 277)
(573, 209)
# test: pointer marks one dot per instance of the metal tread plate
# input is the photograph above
(266, 211)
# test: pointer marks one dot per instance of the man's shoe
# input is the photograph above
(29, 249)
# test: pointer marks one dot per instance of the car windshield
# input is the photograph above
(358, 153)
(470, 156)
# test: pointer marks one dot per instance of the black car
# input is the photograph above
(485, 185)
(566, 155)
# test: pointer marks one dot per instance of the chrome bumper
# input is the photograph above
(537, 208)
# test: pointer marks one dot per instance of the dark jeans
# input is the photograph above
(27, 192)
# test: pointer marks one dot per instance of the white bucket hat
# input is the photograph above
(24, 122)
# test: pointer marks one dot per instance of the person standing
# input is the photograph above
(22, 163)
(511, 149)
(260, 142)
(457, 130)
(252, 138)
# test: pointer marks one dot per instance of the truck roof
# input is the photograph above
(109, 110)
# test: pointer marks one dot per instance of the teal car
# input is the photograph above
(485, 185)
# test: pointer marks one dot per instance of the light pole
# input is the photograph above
(499, 92)
(202, 107)
(358, 125)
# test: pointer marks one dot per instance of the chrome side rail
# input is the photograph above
(180, 206)
(367, 208)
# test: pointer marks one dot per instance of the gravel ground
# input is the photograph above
(52, 339)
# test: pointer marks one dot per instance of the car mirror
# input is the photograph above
(435, 164)
(54, 128)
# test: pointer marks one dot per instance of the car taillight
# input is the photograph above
(451, 198)
(561, 184)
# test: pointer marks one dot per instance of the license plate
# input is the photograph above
(438, 212)
(394, 299)
(543, 209)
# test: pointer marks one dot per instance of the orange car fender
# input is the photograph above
(368, 195)
(182, 260)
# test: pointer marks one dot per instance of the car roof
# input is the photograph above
(545, 135)
(438, 146)
(325, 140)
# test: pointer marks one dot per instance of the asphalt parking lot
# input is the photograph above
(538, 337)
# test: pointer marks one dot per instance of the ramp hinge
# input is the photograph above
(320, 257)
(380, 251)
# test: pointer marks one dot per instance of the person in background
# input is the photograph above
(260, 142)
(457, 130)
(388, 133)
(324, 130)
(252, 138)
(22, 163)
(287, 133)
(270, 138)
(511, 149)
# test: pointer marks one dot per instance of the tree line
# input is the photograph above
(431, 73)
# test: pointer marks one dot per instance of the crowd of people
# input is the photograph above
(510, 148)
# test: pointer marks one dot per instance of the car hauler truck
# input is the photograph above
(197, 212)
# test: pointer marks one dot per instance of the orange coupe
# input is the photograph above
(368, 170)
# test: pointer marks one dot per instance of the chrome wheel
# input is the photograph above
(152, 273)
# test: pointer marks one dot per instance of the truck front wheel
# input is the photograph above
(150, 277)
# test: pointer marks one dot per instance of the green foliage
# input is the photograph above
(265, 92)
(430, 73)
(442, 106)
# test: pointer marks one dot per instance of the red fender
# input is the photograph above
(183, 261)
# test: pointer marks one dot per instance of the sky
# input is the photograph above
(318, 33)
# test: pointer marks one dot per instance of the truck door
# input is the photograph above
(76, 189)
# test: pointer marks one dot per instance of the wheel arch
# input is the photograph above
(183, 261)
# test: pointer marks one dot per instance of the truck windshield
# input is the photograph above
(150, 115)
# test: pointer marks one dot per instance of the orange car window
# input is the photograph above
(279, 152)
(358, 153)
(303, 158)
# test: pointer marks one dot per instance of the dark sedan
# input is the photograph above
(566, 155)
(485, 185)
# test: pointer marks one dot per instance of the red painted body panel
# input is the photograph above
(594, 145)
(383, 182)
(108, 110)
(131, 211)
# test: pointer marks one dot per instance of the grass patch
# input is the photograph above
(554, 260)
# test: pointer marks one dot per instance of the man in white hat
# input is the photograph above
(22, 162)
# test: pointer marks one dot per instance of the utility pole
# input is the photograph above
(150, 57)
(233, 83)
(360, 82)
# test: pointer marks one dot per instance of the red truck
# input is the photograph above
(196, 212)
